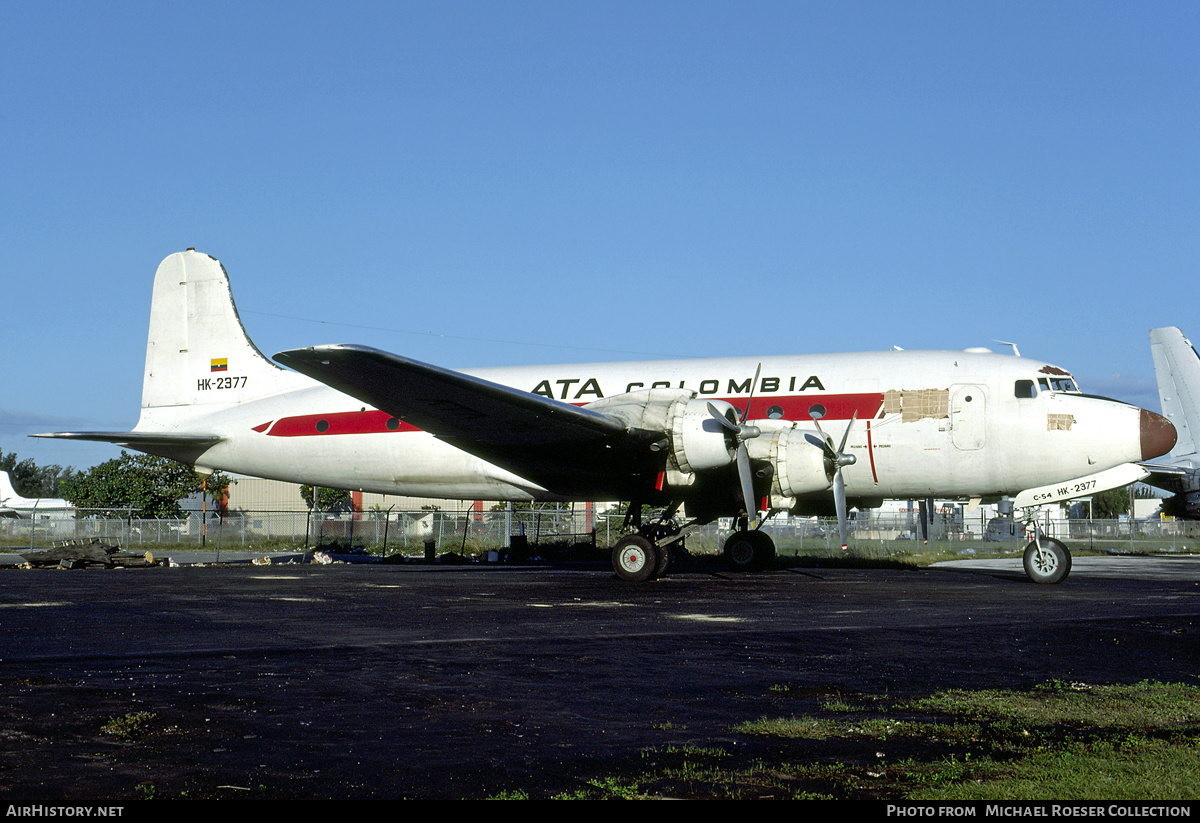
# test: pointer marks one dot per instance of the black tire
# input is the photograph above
(664, 561)
(749, 551)
(635, 559)
(1051, 566)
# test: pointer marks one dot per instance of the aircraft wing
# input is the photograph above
(538, 437)
(1117, 476)
(1170, 477)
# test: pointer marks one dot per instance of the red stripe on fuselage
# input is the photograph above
(793, 407)
(371, 421)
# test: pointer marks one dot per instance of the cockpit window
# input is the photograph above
(1062, 384)
(1025, 389)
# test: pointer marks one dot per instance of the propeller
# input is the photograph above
(742, 432)
(835, 460)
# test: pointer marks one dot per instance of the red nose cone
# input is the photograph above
(1158, 435)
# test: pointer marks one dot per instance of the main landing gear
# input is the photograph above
(647, 554)
(637, 559)
(749, 550)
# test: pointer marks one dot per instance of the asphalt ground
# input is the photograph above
(446, 682)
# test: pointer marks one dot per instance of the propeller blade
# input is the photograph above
(846, 436)
(837, 459)
(753, 384)
(747, 482)
(839, 499)
(741, 433)
(723, 420)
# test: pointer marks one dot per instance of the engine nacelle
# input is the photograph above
(798, 456)
(1184, 505)
(696, 441)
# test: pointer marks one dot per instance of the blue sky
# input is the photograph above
(502, 183)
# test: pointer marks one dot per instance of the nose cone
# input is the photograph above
(1157, 435)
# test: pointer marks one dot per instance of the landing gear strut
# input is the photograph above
(1046, 560)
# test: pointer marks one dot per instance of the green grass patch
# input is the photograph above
(1057, 741)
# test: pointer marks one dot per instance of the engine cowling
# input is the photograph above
(1184, 505)
(696, 441)
(798, 457)
(699, 442)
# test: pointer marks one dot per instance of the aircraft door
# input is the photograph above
(968, 416)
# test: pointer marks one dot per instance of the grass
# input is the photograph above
(1060, 741)
(128, 727)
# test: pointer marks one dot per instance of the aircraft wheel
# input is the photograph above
(1051, 565)
(749, 551)
(635, 558)
(664, 560)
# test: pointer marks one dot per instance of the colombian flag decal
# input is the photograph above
(220, 364)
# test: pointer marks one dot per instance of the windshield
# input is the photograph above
(1057, 384)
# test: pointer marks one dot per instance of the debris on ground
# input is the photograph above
(77, 554)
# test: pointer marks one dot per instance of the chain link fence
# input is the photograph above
(543, 532)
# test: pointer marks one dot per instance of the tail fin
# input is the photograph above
(1177, 367)
(198, 353)
(198, 360)
(7, 492)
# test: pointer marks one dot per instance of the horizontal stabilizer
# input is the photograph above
(185, 448)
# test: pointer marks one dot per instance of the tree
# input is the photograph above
(149, 486)
(328, 500)
(30, 480)
(1111, 504)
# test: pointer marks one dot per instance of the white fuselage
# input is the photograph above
(925, 423)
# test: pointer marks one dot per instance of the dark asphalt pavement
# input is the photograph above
(362, 681)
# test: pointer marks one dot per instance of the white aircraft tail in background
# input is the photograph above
(702, 438)
(1177, 369)
(14, 505)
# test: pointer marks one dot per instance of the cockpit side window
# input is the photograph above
(1025, 389)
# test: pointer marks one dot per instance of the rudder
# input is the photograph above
(198, 352)
(1177, 369)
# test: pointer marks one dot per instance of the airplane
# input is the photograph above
(1177, 370)
(14, 505)
(732, 437)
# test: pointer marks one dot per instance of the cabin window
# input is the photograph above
(1025, 389)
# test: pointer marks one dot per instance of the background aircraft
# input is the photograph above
(704, 438)
(14, 505)
(1177, 369)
